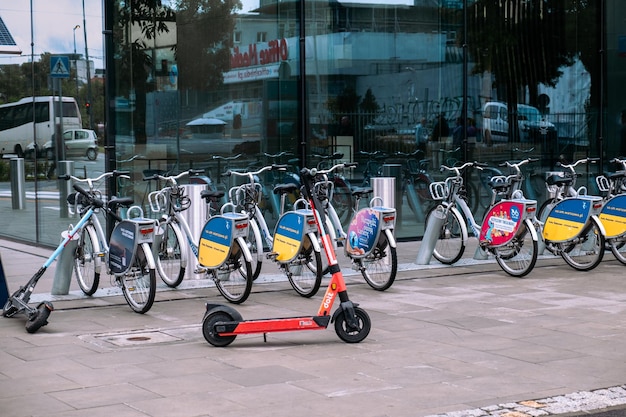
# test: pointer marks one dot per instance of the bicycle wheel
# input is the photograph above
(474, 199)
(255, 246)
(380, 267)
(139, 283)
(87, 261)
(342, 201)
(587, 250)
(421, 186)
(518, 257)
(452, 237)
(171, 253)
(305, 271)
(618, 248)
(234, 279)
(545, 208)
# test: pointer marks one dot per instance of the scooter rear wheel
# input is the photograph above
(349, 335)
(209, 331)
(9, 309)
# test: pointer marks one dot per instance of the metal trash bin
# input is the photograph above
(395, 171)
(18, 184)
(385, 189)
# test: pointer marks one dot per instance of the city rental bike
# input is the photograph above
(127, 251)
(613, 216)
(507, 230)
(369, 242)
(92, 244)
(295, 244)
(230, 274)
(247, 197)
(572, 228)
(223, 253)
(222, 324)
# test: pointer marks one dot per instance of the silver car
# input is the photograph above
(78, 142)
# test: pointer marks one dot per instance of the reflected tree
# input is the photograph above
(204, 29)
(137, 23)
(521, 43)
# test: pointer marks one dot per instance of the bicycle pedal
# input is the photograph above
(200, 270)
(340, 241)
(271, 255)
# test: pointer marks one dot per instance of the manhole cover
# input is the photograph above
(134, 339)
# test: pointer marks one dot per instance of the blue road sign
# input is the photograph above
(59, 67)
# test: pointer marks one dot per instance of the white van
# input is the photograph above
(532, 126)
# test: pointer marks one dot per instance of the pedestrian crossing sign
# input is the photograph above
(59, 67)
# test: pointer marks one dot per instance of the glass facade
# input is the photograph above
(197, 84)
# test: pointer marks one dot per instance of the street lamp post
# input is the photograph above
(75, 59)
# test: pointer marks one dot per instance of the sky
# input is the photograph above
(54, 22)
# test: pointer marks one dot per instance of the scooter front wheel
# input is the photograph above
(39, 317)
(349, 334)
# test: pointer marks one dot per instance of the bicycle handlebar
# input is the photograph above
(516, 166)
(457, 170)
(90, 181)
(93, 200)
(251, 174)
(172, 178)
(580, 161)
(313, 172)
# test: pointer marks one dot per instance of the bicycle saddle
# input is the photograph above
(558, 180)
(285, 188)
(211, 195)
(117, 202)
(361, 191)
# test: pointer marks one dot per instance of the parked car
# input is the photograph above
(533, 127)
(78, 142)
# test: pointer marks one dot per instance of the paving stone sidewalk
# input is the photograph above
(455, 341)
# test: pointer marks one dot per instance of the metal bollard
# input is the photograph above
(65, 266)
(196, 217)
(431, 234)
(18, 184)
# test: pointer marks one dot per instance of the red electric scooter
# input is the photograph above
(221, 323)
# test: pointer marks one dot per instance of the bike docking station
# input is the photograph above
(221, 324)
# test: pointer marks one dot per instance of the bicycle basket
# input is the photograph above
(603, 183)
(439, 190)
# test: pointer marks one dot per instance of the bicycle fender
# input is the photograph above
(147, 250)
(463, 223)
(531, 228)
(315, 242)
(595, 218)
(244, 248)
(390, 237)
